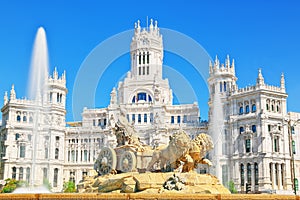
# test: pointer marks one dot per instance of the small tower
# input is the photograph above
(57, 90)
(222, 83)
(146, 52)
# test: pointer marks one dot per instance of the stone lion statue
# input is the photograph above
(179, 146)
(182, 149)
(197, 152)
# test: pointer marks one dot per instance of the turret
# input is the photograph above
(113, 97)
(146, 51)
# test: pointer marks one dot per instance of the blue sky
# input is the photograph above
(256, 33)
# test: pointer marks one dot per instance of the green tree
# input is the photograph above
(11, 185)
(69, 187)
(232, 188)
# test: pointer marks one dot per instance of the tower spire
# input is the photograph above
(260, 78)
(12, 92)
(282, 82)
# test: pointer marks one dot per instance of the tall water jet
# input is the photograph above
(37, 93)
(39, 66)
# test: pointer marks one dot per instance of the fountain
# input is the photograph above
(37, 93)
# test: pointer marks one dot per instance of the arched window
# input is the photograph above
(242, 175)
(85, 156)
(241, 129)
(56, 153)
(30, 119)
(225, 88)
(172, 119)
(133, 99)
(27, 174)
(247, 109)
(256, 173)
(21, 171)
(144, 58)
(253, 108)
(272, 107)
(142, 96)
(282, 174)
(18, 118)
(241, 110)
(24, 118)
(249, 173)
(221, 86)
(253, 128)
(55, 177)
(296, 184)
(149, 98)
(45, 173)
(14, 173)
(17, 136)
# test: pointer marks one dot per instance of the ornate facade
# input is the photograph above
(255, 138)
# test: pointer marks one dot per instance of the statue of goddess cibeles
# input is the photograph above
(124, 131)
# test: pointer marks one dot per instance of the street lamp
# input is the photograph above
(293, 176)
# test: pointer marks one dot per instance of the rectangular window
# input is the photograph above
(276, 144)
(151, 117)
(144, 70)
(184, 119)
(293, 129)
(172, 119)
(147, 70)
(140, 71)
(22, 150)
(269, 127)
(139, 118)
(248, 145)
(133, 117)
(178, 119)
(127, 116)
(46, 153)
(145, 118)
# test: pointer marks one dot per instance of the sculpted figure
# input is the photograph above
(182, 149)
(178, 147)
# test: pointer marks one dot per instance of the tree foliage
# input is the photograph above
(69, 187)
(232, 188)
(11, 185)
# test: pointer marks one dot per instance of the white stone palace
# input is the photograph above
(256, 139)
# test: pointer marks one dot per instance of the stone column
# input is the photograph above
(279, 176)
(273, 176)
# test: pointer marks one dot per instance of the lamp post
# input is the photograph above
(293, 175)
